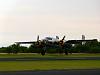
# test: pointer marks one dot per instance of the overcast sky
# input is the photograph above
(23, 20)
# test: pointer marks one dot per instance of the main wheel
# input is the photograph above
(43, 52)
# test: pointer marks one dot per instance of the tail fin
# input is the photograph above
(83, 37)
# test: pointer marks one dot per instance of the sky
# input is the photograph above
(23, 20)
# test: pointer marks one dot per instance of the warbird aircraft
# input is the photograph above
(49, 41)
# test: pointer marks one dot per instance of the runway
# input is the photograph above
(55, 72)
(49, 58)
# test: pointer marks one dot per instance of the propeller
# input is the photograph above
(38, 41)
(40, 44)
(61, 43)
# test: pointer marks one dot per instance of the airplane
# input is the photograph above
(49, 41)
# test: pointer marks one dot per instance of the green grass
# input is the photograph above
(48, 55)
(49, 65)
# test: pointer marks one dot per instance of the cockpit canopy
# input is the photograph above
(48, 38)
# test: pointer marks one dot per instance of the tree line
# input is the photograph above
(87, 47)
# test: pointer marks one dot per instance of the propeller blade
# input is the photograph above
(38, 41)
(38, 38)
(57, 37)
(63, 38)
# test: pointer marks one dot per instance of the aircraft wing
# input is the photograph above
(79, 41)
(31, 42)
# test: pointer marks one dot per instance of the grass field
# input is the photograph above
(49, 55)
(49, 65)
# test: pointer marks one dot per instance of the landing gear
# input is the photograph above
(43, 52)
(66, 52)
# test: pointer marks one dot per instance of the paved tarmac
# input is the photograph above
(49, 58)
(55, 72)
